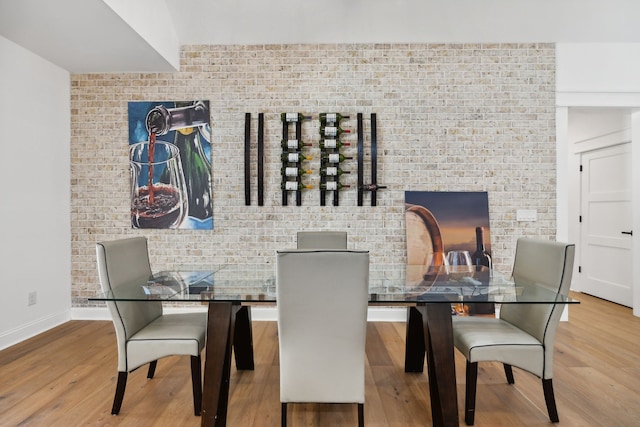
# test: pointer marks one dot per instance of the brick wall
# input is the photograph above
(451, 117)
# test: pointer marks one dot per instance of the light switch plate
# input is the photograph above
(527, 215)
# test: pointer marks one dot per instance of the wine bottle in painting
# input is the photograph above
(186, 119)
(481, 257)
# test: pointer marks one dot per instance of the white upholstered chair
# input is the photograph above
(143, 333)
(322, 319)
(322, 240)
(524, 334)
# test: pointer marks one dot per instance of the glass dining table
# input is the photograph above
(431, 299)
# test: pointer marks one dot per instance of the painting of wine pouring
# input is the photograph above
(448, 238)
(170, 161)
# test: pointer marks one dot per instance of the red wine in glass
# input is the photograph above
(165, 211)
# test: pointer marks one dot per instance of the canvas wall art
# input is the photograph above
(170, 160)
(448, 233)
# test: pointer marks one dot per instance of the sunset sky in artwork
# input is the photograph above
(458, 214)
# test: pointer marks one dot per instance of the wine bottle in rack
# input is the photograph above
(333, 186)
(335, 131)
(334, 157)
(293, 117)
(294, 171)
(332, 171)
(293, 157)
(372, 187)
(294, 186)
(331, 118)
(293, 144)
(332, 143)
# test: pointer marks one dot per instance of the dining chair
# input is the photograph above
(322, 240)
(322, 320)
(523, 335)
(143, 333)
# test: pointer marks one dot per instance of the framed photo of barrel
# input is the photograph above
(448, 234)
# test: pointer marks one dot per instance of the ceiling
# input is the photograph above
(85, 36)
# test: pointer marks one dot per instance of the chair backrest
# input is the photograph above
(125, 263)
(546, 263)
(322, 319)
(322, 240)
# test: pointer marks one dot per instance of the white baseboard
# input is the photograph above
(258, 313)
(31, 329)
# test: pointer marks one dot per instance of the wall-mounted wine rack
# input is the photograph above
(331, 158)
(292, 171)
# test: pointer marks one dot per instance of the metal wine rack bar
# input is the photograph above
(247, 159)
(374, 158)
(360, 158)
(261, 159)
(372, 187)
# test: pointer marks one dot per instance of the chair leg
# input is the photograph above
(360, 414)
(120, 386)
(508, 372)
(196, 383)
(152, 369)
(283, 414)
(470, 393)
(549, 397)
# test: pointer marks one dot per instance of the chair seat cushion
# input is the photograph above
(168, 335)
(489, 339)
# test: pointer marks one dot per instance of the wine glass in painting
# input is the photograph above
(460, 265)
(158, 189)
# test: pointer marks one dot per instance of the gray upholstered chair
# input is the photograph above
(143, 333)
(322, 321)
(524, 334)
(322, 240)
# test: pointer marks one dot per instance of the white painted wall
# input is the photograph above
(34, 174)
(598, 80)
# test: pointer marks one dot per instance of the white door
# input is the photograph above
(606, 261)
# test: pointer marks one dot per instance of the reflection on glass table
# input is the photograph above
(387, 284)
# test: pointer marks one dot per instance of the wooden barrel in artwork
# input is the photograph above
(425, 249)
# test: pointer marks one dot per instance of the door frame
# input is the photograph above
(568, 175)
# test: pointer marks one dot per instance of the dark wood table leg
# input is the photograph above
(217, 364)
(438, 337)
(243, 338)
(414, 343)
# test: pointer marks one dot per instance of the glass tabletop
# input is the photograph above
(388, 285)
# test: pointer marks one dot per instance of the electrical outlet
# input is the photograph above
(526, 215)
(32, 298)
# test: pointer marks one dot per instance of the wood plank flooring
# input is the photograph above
(66, 377)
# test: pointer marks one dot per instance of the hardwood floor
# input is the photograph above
(66, 377)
